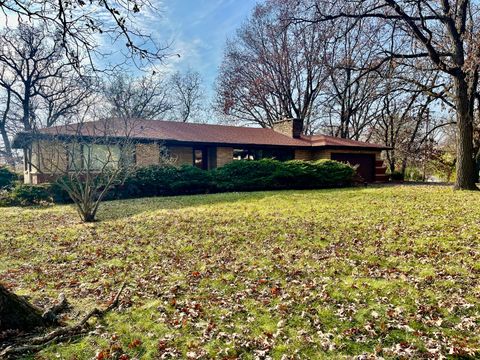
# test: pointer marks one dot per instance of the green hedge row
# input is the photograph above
(157, 180)
(259, 175)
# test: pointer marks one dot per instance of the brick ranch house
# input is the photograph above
(203, 145)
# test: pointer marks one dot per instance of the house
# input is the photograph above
(203, 145)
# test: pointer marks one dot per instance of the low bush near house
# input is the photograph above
(264, 174)
(25, 194)
(7, 178)
(246, 175)
(192, 180)
(168, 180)
(164, 180)
(297, 174)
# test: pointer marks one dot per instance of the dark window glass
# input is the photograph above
(198, 158)
(257, 154)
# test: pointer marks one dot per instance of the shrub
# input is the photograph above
(192, 180)
(397, 176)
(58, 194)
(161, 180)
(266, 174)
(273, 174)
(246, 175)
(7, 178)
(25, 194)
(297, 174)
(413, 174)
(153, 180)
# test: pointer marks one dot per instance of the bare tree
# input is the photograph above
(37, 83)
(188, 94)
(87, 159)
(272, 71)
(443, 32)
(146, 97)
(350, 97)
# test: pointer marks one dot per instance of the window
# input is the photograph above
(198, 158)
(247, 154)
(102, 156)
(74, 154)
(93, 156)
(257, 154)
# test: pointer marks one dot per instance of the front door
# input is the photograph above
(200, 158)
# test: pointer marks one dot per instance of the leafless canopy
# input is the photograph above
(271, 70)
(38, 85)
(146, 97)
(188, 95)
(443, 33)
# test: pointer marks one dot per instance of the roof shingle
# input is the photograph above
(171, 131)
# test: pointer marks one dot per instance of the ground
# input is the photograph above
(388, 271)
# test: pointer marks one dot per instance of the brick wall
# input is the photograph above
(284, 127)
(147, 154)
(224, 155)
(303, 155)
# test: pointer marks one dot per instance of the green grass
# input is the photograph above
(391, 272)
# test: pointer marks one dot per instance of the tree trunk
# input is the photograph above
(7, 147)
(465, 160)
(17, 314)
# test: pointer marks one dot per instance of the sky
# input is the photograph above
(195, 29)
(198, 30)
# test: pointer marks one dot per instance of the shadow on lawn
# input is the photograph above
(119, 209)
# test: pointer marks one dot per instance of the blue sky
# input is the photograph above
(198, 30)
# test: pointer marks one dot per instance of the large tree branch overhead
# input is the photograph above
(79, 24)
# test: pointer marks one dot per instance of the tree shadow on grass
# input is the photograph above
(119, 209)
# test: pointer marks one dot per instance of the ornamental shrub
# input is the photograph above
(26, 194)
(7, 178)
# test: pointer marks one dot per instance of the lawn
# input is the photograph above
(389, 271)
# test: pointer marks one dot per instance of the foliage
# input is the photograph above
(297, 174)
(26, 194)
(192, 180)
(373, 272)
(413, 174)
(247, 175)
(7, 178)
(264, 174)
(397, 176)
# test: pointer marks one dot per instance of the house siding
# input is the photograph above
(304, 155)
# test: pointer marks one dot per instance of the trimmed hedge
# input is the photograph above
(168, 180)
(259, 175)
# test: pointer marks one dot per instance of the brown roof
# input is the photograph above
(171, 131)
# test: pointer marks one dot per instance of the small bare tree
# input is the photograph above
(87, 159)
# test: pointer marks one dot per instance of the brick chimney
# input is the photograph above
(289, 127)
